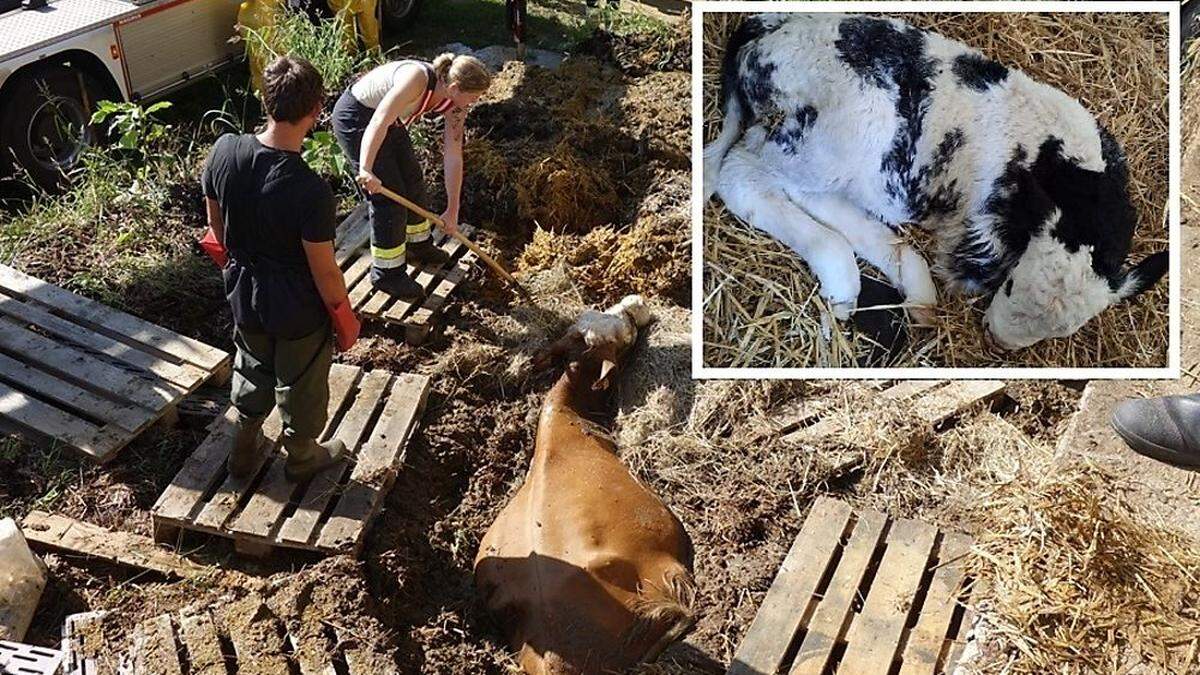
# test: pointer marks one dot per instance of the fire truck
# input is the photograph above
(58, 57)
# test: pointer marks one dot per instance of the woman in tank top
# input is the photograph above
(371, 121)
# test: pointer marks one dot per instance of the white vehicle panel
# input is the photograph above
(98, 41)
(24, 30)
(177, 41)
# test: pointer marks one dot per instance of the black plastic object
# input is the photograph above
(885, 330)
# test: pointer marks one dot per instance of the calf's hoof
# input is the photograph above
(841, 310)
(922, 316)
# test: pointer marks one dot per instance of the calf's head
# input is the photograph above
(594, 346)
(1053, 290)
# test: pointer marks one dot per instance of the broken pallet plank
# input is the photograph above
(69, 535)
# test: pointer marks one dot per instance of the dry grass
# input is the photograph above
(761, 308)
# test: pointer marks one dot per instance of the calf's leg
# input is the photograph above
(879, 245)
(756, 196)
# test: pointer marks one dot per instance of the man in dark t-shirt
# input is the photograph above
(275, 217)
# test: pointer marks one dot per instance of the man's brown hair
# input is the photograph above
(292, 89)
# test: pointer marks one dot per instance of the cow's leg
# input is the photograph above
(752, 193)
(879, 245)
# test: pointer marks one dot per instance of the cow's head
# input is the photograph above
(1053, 290)
(594, 346)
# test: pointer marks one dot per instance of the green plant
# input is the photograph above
(138, 127)
(323, 43)
(323, 155)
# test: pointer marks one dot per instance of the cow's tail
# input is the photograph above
(732, 103)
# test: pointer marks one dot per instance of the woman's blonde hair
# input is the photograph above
(467, 71)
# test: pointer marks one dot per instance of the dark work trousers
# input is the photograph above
(397, 167)
(291, 374)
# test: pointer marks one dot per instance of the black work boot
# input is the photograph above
(306, 457)
(396, 283)
(425, 254)
(247, 444)
(1167, 428)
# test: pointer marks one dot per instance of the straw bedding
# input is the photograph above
(761, 308)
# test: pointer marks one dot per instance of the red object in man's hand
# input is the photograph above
(345, 325)
(214, 248)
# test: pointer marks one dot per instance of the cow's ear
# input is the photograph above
(1143, 275)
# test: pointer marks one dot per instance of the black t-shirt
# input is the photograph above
(270, 201)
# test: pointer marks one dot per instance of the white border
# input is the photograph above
(700, 371)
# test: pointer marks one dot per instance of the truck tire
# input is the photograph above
(397, 15)
(46, 123)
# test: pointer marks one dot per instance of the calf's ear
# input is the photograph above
(1143, 275)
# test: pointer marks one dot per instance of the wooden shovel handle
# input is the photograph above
(491, 262)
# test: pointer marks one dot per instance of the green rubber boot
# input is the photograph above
(247, 444)
(306, 457)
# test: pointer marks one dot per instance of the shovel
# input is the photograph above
(497, 267)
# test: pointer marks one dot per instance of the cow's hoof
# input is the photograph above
(922, 316)
(841, 310)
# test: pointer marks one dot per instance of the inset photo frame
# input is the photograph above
(936, 190)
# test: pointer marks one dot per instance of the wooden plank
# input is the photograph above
(85, 370)
(300, 526)
(185, 375)
(424, 278)
(201, 470)
(217, 509)
(928, 637)
(22, 376)
(910, 388)
(376, 463)
(956, 397)
(441, 293)
(154, 648)
(262, 512)
(114, 321)
(783, 609)
(42, 418)
(354, 233)
(832, 616)
(68, 535)
(874, 637)
(957, 643)
(199, 635)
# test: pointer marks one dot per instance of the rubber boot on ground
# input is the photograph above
(396, 283)
(247, 447)
(306, 457)
(425, 254)
(1166, 429)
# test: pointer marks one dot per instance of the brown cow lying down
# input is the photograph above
(585, 569)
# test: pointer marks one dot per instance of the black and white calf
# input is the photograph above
(839, 129)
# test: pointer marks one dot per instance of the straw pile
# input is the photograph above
(565, 194)
(761, 307)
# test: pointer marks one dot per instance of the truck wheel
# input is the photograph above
(46, 122)
(398, 14)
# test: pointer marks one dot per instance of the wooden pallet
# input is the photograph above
(87, 375)
(80, 657)
(373, 413)
(197, 642)
(353, 254)
(861, 594)
(22, 659)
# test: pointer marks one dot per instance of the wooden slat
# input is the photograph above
(833, 613)
(354, 233)
(185, 375)
(874, 637)
(154, 648)
(927, 639)
(129, 417)
(127, 325)
(958, 643)
(441, 293)
(910, 388)
(43, 418)
(956, 397)
(86, 371)
(301, 525)
(782, 610)
(372, 471)
(201, 470)
(199, 635)
(261, 513)
(424, 278)
(68, 535)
